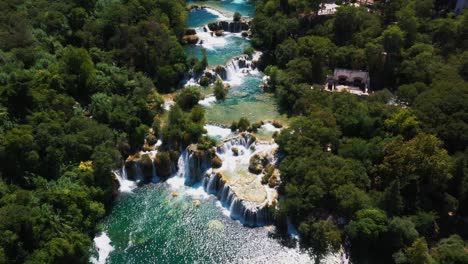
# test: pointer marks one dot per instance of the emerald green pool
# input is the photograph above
(152, 225)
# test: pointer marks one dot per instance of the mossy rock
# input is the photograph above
(163, 164)
(214, 26)
(275, 134)
(190, 31)
(209, 75)
(273, 181)
(235, 151)
(255, 164)
(264, 179)
(216, 162)
(146, 160)
(190, 39)
(277, 124)
(151, 139)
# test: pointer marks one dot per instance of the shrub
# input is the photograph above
(204, 81)
(188, 97)
(234, 126)
(237, 16)
(243, 124)
(249, 51)
(219, 91)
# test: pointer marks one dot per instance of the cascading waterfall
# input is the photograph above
(138, 172)
(250, 214)
(125, 185)
(197, 170)
(154, 172)
(236, 69)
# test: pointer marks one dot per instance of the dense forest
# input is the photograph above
(385, 175)
(79, 91)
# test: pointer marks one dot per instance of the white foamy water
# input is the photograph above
(125, 185)
(223, 209)
(232, 162)
(103, 247)
(220, 15)
(176, 183)
(237, 71)
(197, 192)
(168, 105)
(158, 144)
(208, 101)
(217, 132)
(210, 40)
(269, 127)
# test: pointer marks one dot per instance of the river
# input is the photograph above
(173, 223)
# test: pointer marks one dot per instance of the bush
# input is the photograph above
(188, 98)
(243, 124)
(205, 143)
(204, 81)
(234, 126)
(249, 51)
(200, 66)
(255, 127)
(237, 16)
(219, 91)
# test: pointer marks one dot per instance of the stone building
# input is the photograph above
(349, 80)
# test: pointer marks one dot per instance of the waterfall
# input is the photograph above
(237, 68)
(139, 176)
(229, 26)
(248, 201)
(250, 214)
(197, 170)
(125, 185)
(154, 173)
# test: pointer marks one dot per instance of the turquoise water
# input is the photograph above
(152, 226)
(222, 49)
(244, 100)
(200, 17)
(220, 54)
(230, 6)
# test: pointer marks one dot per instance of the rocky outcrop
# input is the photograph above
(257, 163)
(146, 166)
(139, 167)
(271, 176)
(190, 39)
(246, 212)
(197, 163)
(229, 26)
(164, 164)
(221, 72)
(216, 162)
(190, 31)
